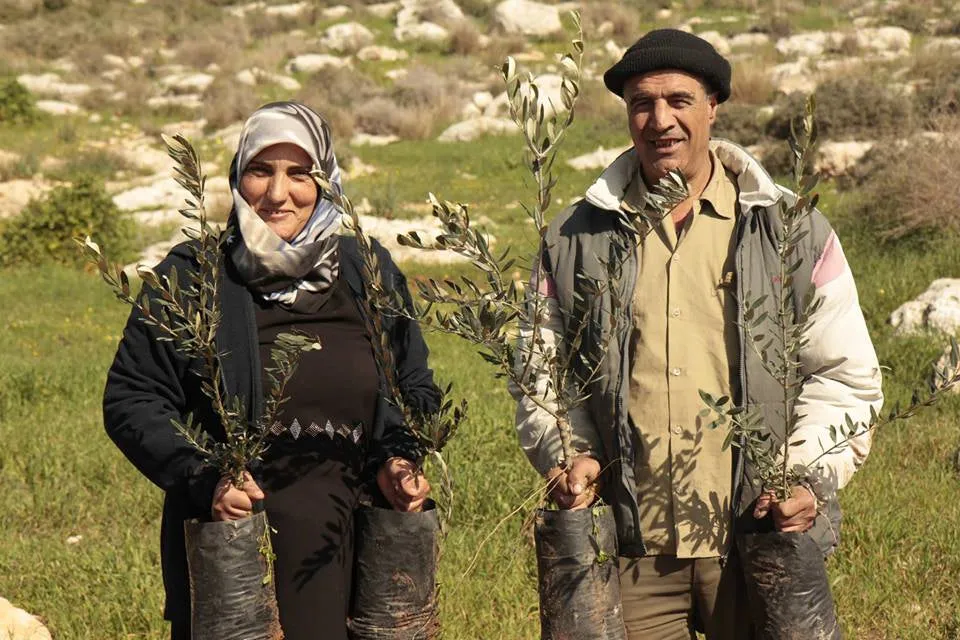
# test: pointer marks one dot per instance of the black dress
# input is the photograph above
(311, 473)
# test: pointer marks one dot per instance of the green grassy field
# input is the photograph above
(893, 577)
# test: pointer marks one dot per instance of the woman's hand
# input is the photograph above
(230, 503)
(402, 484)
(576, 488)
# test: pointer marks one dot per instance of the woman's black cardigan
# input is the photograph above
(150, 384)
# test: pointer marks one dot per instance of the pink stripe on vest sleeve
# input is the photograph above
(832, 262)
(543, 283)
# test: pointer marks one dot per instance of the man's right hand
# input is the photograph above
(576, 488)
(231, 503)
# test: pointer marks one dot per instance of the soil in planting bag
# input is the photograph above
(787, 587)
(232, 594)
(579, 578)
(395, 575)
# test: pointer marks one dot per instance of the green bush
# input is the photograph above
(740, 123)
(856, 106)
(16, 104)
(44, 231)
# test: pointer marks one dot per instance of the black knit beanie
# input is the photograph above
(671, 49)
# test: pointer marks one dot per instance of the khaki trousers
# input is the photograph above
(666, 598)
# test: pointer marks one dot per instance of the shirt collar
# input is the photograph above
(720, 192)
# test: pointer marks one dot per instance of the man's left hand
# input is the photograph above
(793, 515)
(403, 485)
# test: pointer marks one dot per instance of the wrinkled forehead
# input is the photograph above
(663, 83)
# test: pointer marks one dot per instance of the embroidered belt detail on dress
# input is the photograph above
(296, 430)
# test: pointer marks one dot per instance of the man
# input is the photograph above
(679, 497)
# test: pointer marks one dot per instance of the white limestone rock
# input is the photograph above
(719, 42)
(936, 309)
(893, 39)
(527, 18)
(810, 43)
(346, 37)
(942, 46)
(421, 32)
(58, 107)
(191, 101)
(314, 62)
(383, 10)
(15, 194)
(749, 40)
(601, 158)
(377, 53)
(335, 12)
(549, 99)
(293, 10)
(474, 128)
(256, 76)
(185, 83)
(50, 85)
(413, 12)
(838, 158)
(362, 139)
(17, 624)
(793, 76)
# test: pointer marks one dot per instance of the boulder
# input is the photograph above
(413, 12)
(369, 140)
(719, 42)
(191, 101)
(314, 62)
(793, 76)
(613, 50)
(15, 194)
(254, 76)
(428, 227)
(472, 129)
(17, 624)
(58, 107)
(421, 32)
(185, 83)
(749, 40)
(942, 46)
(599, 159)
(895, 39)
(527, 18)
(383, 10)
(294, 10)
(378, 53)
(50, 85)
(335, 12)
(549, 86)
(936, 309)
(837, 158)
(346, 37)
(809, 44)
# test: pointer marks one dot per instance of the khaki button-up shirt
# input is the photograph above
(684, 339)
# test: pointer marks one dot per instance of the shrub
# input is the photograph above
(335, 94)
(16, 104)
(625, 20)
(751, 84)
(859, 106)
(383, 116)
(740, 123)
(938, 84)
(45, 230)
(897, 202)
(226, 101)
(464, 38)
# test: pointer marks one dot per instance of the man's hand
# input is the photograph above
(230, 503)
(794, 515)
(402, 484)
(575, 489)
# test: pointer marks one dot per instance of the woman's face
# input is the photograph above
(278, 186)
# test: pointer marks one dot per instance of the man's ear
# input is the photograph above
(712, 104)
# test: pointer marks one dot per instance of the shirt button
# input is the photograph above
(675, 371)
(675, 257)
(676, 312)
(677, 429)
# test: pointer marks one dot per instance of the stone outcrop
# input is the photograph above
(527, 18)
(936, 309)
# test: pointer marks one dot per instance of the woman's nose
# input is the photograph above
(278, 188)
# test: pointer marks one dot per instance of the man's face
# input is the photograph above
(670, 115)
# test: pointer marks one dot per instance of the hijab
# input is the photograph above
(298, 274)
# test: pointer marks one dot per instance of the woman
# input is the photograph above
(285, 268)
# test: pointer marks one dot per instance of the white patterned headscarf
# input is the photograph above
(298, 274)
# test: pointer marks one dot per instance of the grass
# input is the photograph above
(894, 575)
